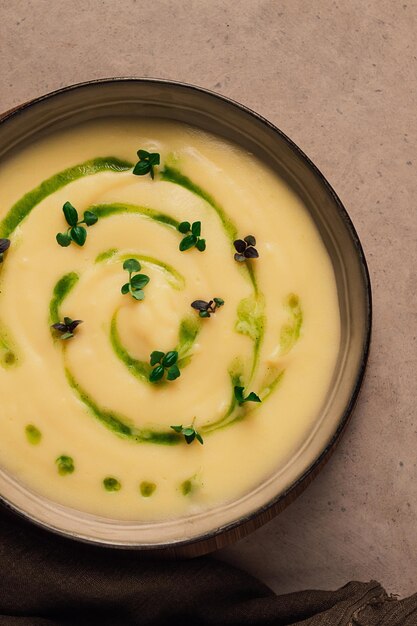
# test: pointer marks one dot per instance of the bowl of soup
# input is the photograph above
(185, 316)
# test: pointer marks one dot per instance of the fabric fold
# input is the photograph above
(47, 580)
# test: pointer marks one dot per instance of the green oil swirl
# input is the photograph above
(115, 208)
(233, 412)
(21, 209)
(173, 175)
(188, 331)
(251, 319)
(174, 278)
(61, 290)
(250, 311)
(139, 369)
(119, 424)
(187, 334)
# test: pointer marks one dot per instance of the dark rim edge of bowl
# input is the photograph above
(310, 472)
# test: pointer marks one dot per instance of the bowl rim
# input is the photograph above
(292, 491)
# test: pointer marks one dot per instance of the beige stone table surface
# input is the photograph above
(340, 78)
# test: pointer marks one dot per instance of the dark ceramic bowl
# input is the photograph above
(219, 526)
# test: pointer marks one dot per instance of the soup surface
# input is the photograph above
(235, 385)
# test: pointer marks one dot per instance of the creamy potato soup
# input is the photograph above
(169, 322)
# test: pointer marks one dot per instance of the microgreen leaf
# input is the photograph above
(252, 397)
(192, 238)
(196, 229)
(138, 294)
(157, 373)
(147, 162)
(240, 245)
(188, 242)
(131, 265)
(167, 364)
(75, 232)
(136, 282)
(62, 328)
(173, 372)
(142, 168)
(206, 308)
(189, 432)
(71, 214)
(90, 218)
(239, 395)
(139, 280)
(156, 357)
(64, 239)
(184, 227)
(78, 235)
(73, 325)
(200, 305)
(170, 358)
(250, 240)
(251, 253)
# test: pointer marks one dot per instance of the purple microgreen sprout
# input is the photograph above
(205, 309)
(67, 327)
(245, 249)
(4, 245)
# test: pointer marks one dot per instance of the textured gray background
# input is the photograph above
(340, 78)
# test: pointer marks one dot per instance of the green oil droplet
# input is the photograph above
(33, 434)
(111, 484)
(65, 465)
(9, 358)
(186, 487)
(147, 489)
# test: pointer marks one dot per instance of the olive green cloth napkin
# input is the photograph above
(51, 581)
